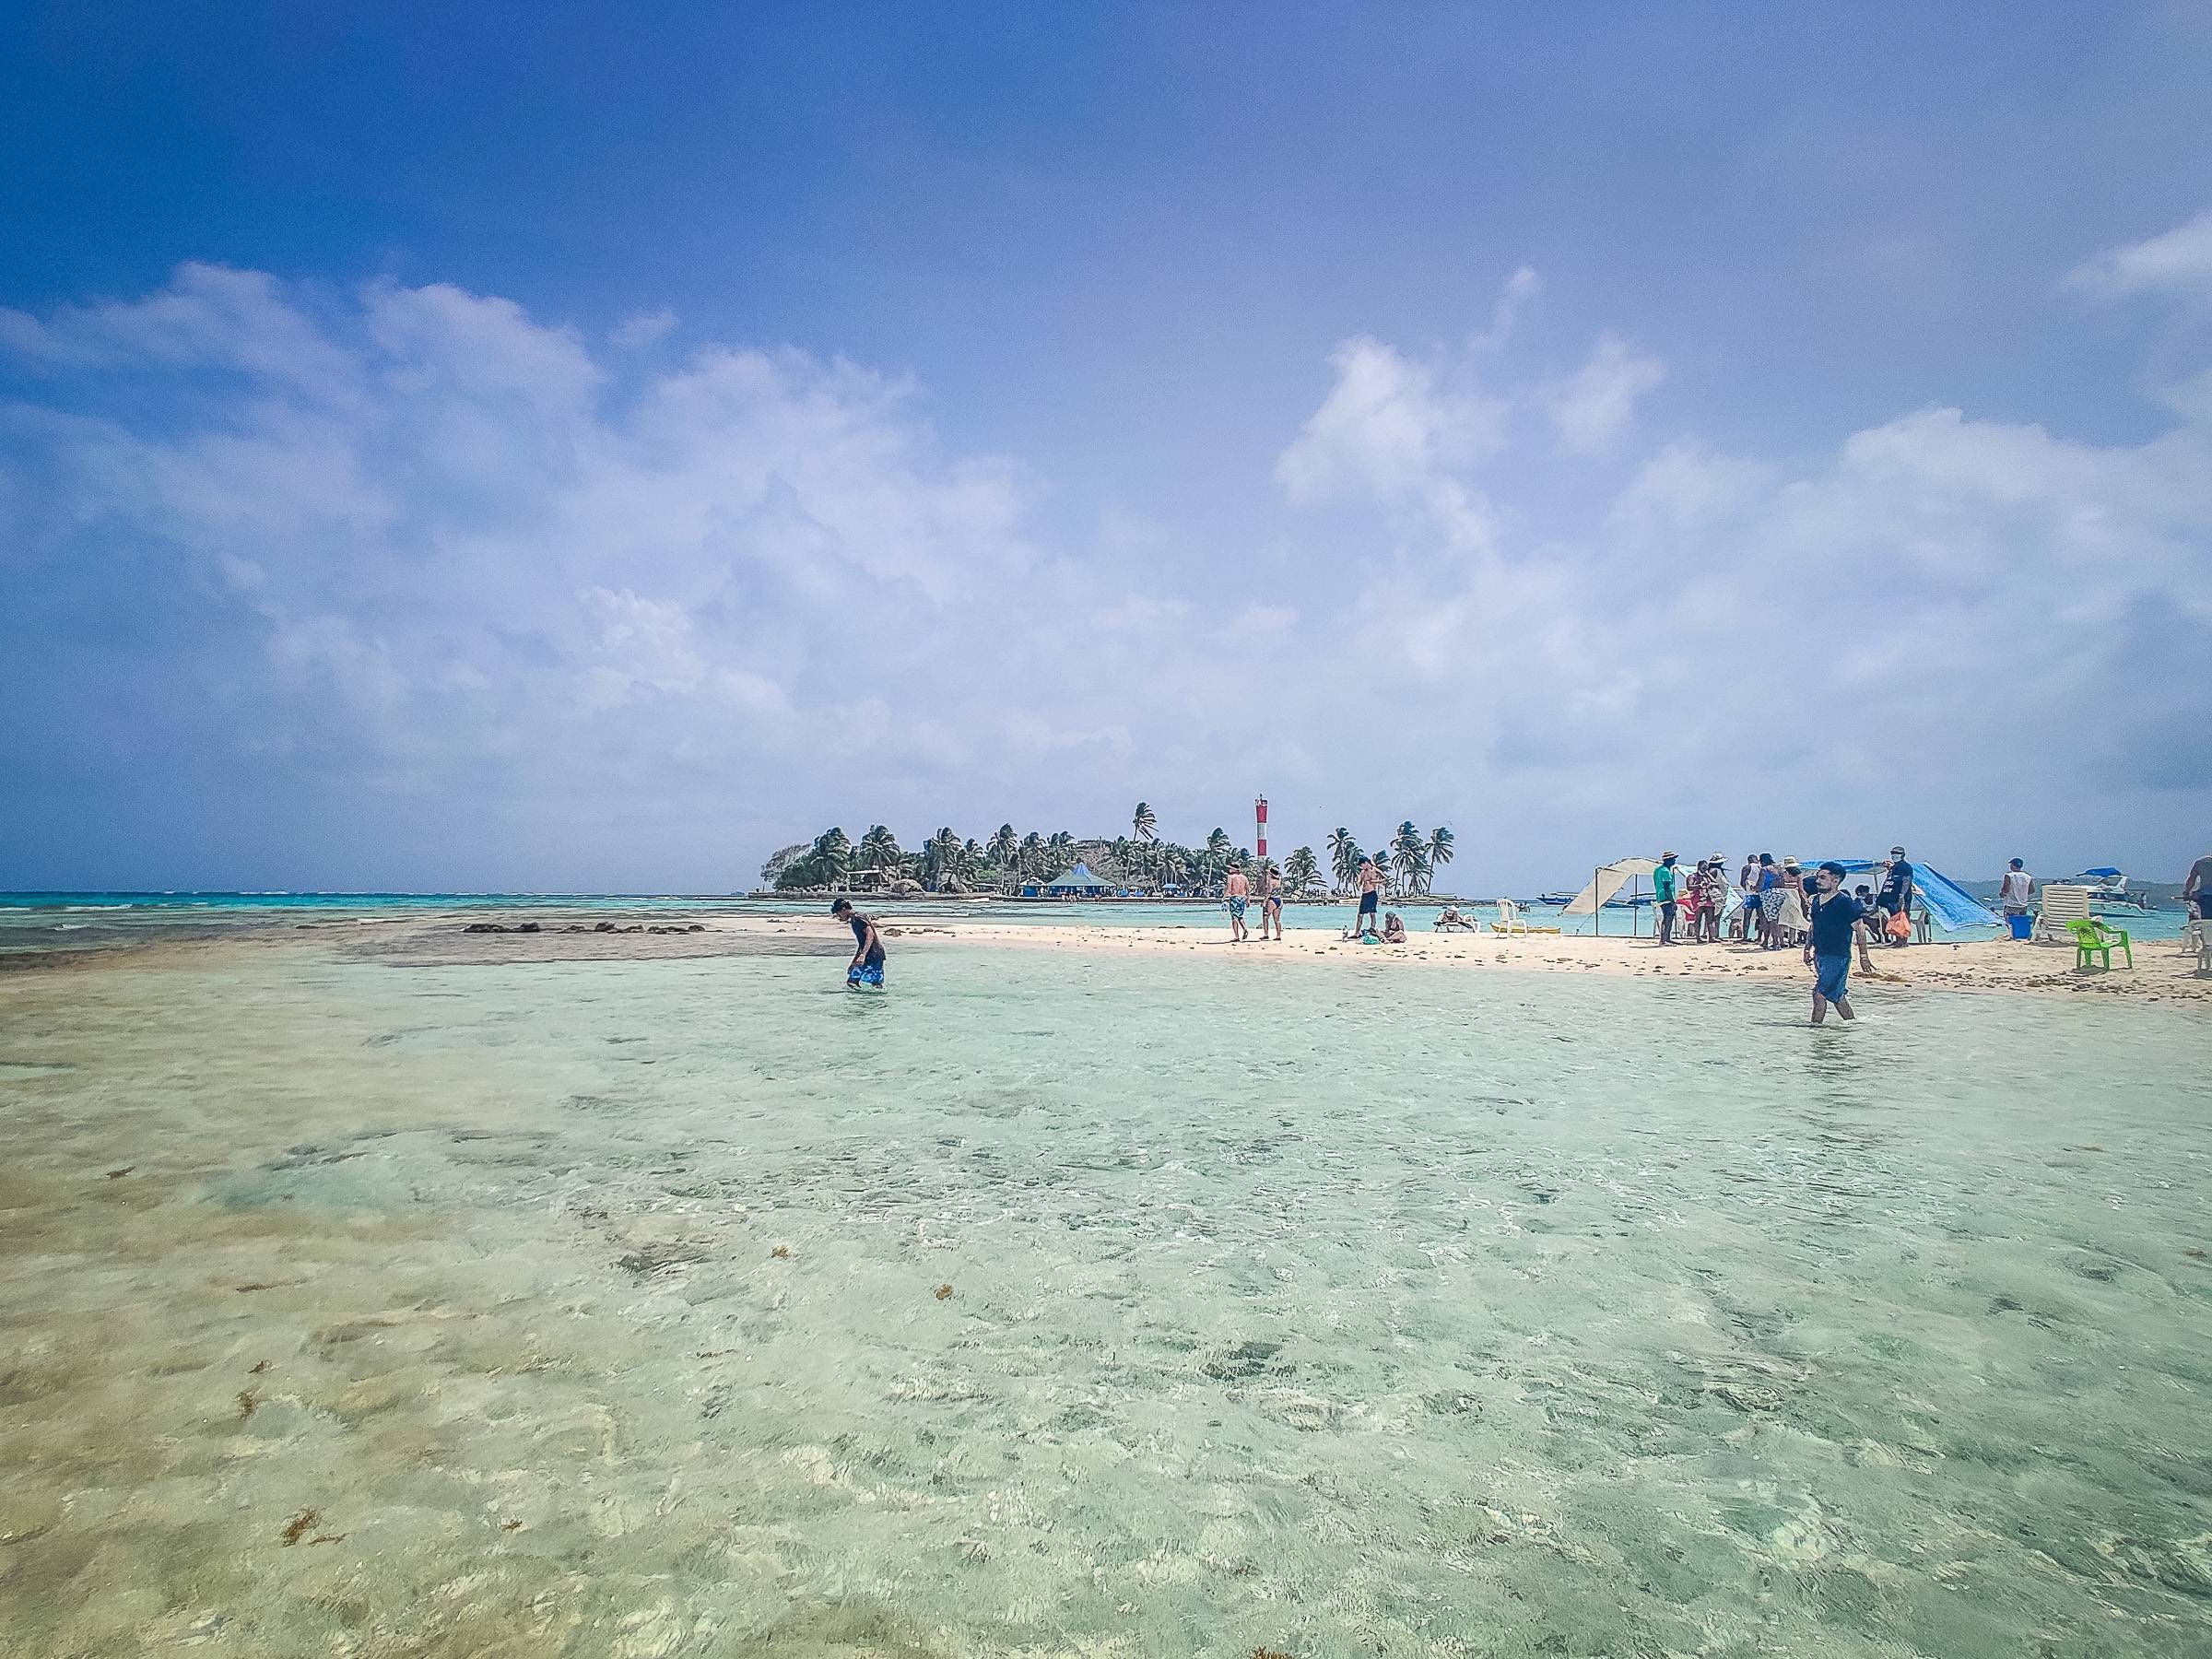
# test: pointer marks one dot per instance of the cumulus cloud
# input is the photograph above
(1392, 430)
(1592, 408)
(408, 584)
(2179, 261)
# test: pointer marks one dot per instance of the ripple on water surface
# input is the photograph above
(1088, 1305)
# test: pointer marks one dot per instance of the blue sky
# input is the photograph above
(591, 447)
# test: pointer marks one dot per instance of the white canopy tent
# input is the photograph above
(1606, 883)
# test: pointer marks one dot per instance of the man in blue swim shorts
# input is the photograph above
(867, 954)
(1371, 898)
(1238, 891)
(1837, 921)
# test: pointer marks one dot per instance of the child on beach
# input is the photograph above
(867, 954)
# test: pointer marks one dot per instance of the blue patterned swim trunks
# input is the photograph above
(868, 974)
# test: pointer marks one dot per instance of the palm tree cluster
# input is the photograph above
(1407, 859)
(1007, 860)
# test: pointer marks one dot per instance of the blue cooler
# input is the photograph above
(2023, 927)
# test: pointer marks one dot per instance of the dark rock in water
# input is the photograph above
(529, 927)
(605, 927)
(1246, 1359)
(633, 927)
(484, 927)
(697, 927)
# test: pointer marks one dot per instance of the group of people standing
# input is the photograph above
(1776, 912)
(1785, 905)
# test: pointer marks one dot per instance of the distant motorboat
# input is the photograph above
(2109, 890)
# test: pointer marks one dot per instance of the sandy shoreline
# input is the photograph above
(2162, 972)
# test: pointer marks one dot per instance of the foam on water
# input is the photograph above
(1123, 1307)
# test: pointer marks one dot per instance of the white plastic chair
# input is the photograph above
(2061, 903)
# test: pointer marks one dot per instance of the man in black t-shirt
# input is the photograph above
(867, 953)
(1896, 898)
(1837, 921)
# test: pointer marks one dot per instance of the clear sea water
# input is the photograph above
(1052, 1304)
(40, 920)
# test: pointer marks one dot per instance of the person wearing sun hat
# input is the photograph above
(1895, 899)
(1714, 899)
(1789, 924)
(1666, 880)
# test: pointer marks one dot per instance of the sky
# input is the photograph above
(573, 448)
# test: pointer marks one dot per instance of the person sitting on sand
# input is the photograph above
(867, 954)
(1394, 930)
(1240, 893)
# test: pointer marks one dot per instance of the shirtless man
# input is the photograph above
(1240, 894)
(1370, 899)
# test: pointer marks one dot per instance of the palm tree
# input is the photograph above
(832, 855)
(1032, 857)
(1299, 872)
(880, 849)
(1144, 824)
(940, 856)
(1175, 864)
(1344, 857)
(1440, 848)
(1218, 843)
(1060, 851)
(1409, 857)
(999, 852)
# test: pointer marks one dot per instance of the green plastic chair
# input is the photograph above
(2095, 939)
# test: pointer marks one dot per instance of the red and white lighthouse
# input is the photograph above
(1259, 841)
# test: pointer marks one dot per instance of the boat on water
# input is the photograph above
(2109, 890)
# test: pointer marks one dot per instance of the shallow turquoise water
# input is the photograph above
(1330, 1308)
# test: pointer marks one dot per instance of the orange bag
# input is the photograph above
(1899, 926)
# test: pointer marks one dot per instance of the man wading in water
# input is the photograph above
(867, 954)
(1838, 922)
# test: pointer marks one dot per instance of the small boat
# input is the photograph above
(2109, 890)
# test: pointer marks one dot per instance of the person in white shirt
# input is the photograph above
(2015, 891)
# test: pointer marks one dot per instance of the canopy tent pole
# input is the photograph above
(1597, 910)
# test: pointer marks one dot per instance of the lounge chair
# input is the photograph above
(2197, 940)
(1509, 920)
(2093, 938)
(2061, 906)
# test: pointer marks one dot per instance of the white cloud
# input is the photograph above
(356, 570)
(640, 329)
(1387, 428)
(1592, 408)
(2177, 263)
(1519, 289)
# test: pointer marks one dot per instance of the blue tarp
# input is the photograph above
(1951, 905)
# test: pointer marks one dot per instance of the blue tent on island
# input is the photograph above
(1950, 906)
(1078, 883)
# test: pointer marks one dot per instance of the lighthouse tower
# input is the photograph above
(1259, 840)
